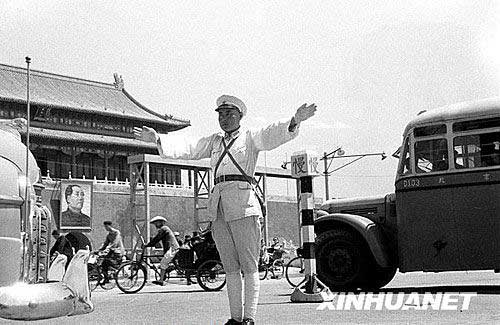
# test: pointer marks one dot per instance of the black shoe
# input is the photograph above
(160, 283)
(233, 322)
(248, 321)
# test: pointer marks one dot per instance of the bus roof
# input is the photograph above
(465, 110)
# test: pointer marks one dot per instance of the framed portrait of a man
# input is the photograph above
(76, 205)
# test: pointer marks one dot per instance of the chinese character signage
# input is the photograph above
(304, 163)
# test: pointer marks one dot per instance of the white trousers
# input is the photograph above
(238, 242)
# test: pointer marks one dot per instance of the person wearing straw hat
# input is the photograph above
(234, 207)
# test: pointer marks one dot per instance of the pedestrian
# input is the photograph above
(233, 205)
(169, 243)
(187, 242)
(178, 238)
(61, 246)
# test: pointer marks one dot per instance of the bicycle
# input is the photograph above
(294, 271)
(275, 265)
(96, 274)
(209, 273)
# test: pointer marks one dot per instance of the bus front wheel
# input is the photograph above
(342, 259)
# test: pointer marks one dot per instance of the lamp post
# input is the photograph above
(335, 154)
(340, 154)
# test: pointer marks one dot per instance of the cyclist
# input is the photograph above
(169, 243)
(275, 247)
(112, 248)
(276, 252)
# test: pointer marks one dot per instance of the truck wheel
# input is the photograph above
(341, 259)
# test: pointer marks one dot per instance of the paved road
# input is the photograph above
(180, 304)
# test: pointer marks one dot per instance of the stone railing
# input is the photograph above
(126, 182)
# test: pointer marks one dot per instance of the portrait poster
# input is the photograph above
(76, 205)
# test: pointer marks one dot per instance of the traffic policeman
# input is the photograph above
(234, 206)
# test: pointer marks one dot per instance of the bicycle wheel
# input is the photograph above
(110, 284)
(262, 271)
(211, 275)
(94, 276)
(277, 269)
(294, 271)
(131, 277)
(171, 267)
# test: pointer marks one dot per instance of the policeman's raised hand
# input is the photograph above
(145, 134)
(304, 112)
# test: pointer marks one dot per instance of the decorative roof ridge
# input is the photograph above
(58, 76)
(171, 117)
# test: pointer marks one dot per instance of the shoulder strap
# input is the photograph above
(226, 150)
(249, 179)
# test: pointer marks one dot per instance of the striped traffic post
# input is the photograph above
(304, 166)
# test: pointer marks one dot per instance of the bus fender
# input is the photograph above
(369, 230)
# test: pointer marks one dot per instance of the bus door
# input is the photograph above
(476, 195)
(428, 235)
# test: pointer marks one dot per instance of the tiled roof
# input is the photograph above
(71, 137)
(78, 94)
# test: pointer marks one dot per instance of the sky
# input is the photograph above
(370, 66)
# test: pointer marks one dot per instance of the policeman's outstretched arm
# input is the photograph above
(303, 113)
(146, 134)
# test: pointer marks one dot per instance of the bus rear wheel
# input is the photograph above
(342, 259)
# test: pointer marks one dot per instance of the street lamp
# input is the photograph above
(339, 153)
(335, 154)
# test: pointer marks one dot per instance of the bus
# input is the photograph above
(443, 216)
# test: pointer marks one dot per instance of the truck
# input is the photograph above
(444, 214)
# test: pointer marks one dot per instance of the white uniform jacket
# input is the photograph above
(237, 198)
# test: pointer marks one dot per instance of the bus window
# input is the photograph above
(431, 155)
(404, 162)
(476, 124)
(429, 130)
(478, 150)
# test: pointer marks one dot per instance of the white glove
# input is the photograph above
(304, 112)
(146, 134)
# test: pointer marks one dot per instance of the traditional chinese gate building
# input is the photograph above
(82, 128)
